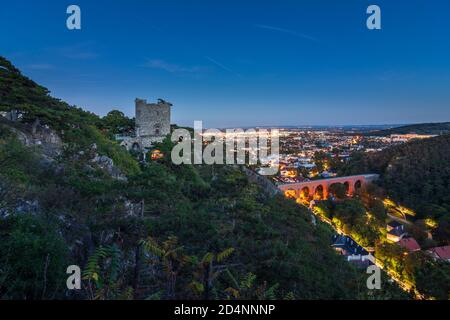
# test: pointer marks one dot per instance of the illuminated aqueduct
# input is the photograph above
(319, 189)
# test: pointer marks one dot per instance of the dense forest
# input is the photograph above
(417, 175)
(142, 228)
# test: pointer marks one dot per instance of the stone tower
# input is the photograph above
(152, 119)
(152, 124)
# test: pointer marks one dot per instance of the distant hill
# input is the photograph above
(421, 128)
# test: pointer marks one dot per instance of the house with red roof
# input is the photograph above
(409, 244)
(442, 253)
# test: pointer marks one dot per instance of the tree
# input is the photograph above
(442, 232)
(171, 258)
(207, 271)
(349, 211)
(116, 122)
(322, 160)
(339, 190)
(105, 281)
(33, 258)
(378, 210)
(247, 289)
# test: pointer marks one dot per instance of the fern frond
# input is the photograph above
(152, 247)
(224, 254)
(248, 281)
(233, 292)
(208, 258)
(271, 292)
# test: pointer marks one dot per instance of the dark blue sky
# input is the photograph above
(240, 63)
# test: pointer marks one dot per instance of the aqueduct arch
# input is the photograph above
(358, 185)
(320, 192)
(305, 193)
(320, 188)
(347, 187)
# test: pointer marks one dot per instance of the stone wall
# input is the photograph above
(140, 143)
(267, 185)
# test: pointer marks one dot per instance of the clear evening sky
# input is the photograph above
(240, 63)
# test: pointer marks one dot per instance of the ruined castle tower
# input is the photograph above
(152, 119)
(152, 124)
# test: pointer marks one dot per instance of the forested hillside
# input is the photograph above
(144, 229)
(421, 128)
(415, 174)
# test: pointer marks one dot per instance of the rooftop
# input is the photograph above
(348, 244)
(409, 244)
(442, 252)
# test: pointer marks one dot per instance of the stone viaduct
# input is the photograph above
(319, 189)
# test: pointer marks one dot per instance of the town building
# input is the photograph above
(409, 244)
(441, 253)
(353, 252)
(409, 136)
(395, 231)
